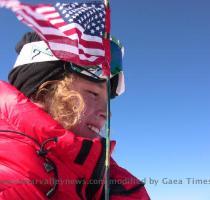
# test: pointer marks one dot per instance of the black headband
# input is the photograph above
(27, 78)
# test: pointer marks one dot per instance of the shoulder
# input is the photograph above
(123, 185)
(21, 169)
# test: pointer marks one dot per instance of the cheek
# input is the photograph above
(90, 105)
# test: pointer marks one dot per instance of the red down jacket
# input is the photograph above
(40, 160)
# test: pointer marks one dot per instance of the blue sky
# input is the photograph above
(162, 122)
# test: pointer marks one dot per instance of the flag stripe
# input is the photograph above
(75, 42)
(75, 58)
(56, 21)
(63, 28)
(74, 50)
(67, 37)
(59, 46)
(52, 15)
(49, 31)
(46, 30)
(44, 9)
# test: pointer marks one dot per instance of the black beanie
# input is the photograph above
(27, 78)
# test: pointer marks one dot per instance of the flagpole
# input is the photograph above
(107, 160)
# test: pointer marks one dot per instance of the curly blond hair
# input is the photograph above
(60, 101)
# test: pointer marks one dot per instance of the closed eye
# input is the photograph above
(93, 93)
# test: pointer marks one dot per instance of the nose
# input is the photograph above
(101, 108)
(102, 114)
(100, 118)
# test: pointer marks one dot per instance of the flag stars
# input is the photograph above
(57, 4)
(100, 14)
(76, 16)
(84, 9)
(90, 16)
(92, 31)
(67, 7)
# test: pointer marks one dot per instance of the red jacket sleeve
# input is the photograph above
(124, 186)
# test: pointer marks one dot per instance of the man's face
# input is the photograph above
(94, 115)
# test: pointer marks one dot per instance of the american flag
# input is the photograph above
(74, 31)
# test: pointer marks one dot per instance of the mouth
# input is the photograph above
(94, 129)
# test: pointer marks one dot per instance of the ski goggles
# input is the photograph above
(95, 73)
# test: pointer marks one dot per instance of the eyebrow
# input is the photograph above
(100, 85)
